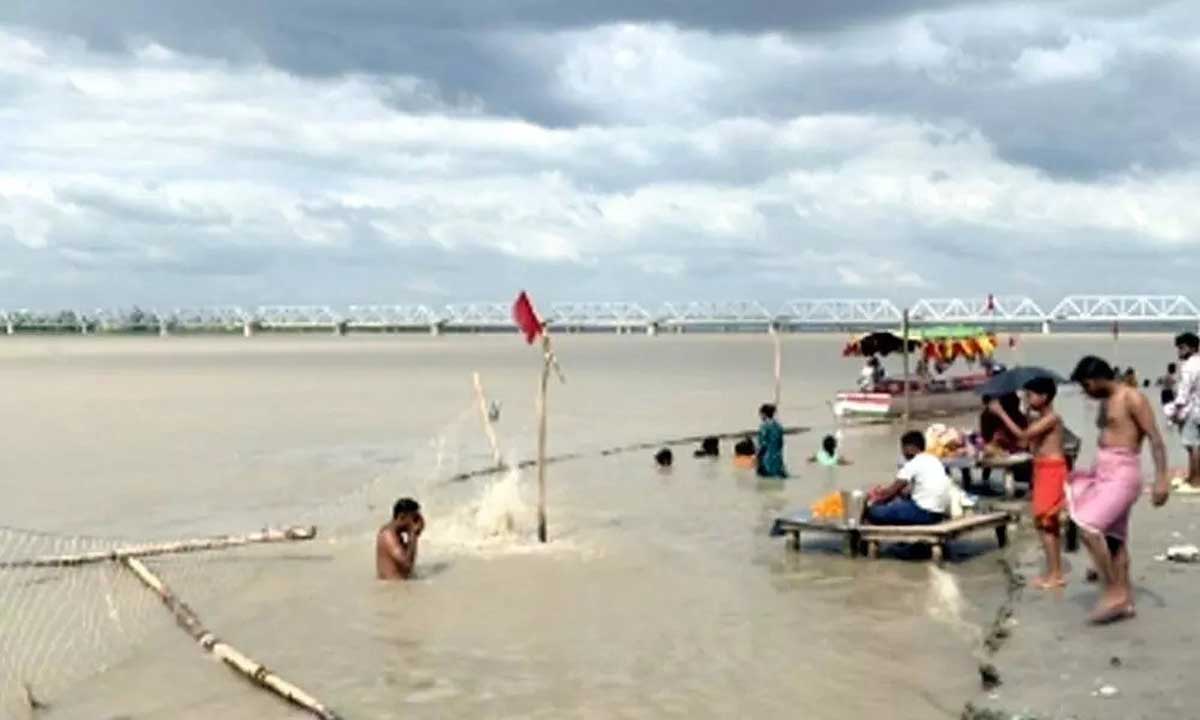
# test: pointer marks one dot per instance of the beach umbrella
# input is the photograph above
(879, 343)
(1013, 379)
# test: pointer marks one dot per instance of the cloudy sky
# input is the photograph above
(165, 152)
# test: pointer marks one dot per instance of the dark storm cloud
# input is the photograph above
(489, 56)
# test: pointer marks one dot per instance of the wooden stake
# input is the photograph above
(547, 359)
(231, 656)
(778, 364)
(904, 342)
(488, 428)
(177, 547)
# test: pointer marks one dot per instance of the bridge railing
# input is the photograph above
(1125, 309)
(722, 313)
(839, 312)
(1009, 311)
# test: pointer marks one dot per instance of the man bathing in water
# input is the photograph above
(1101, 500)
(396, 543)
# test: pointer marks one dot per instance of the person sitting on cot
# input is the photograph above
(744, 454)
(828, 454)
(396, 543)
(920, 494)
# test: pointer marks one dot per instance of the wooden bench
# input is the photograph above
(860, 537)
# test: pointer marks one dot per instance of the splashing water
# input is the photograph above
(948, 606)
(498, 517)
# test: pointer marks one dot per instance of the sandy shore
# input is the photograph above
(1053, 665)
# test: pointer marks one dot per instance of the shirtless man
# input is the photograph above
(396, 543)
(1102, 499)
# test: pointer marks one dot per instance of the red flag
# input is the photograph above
(991, 303)
(527, 318)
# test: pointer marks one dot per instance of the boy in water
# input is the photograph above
(1045, 438)
(828, 455)
(396, 543)
(770, 444)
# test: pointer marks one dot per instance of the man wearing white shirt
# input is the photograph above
(920, 495)
(1184, 409)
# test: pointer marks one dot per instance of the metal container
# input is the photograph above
(855, 504)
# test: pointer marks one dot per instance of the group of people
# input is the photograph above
(766, 457)
(1099, 500)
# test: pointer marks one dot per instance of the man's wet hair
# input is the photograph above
(1188, 340)
(744, 447)
(709, 447)
(829, 443)
(1172, 368)
(767, 411)
(1043, 386)
(1092, 368)
(913, 438)
(664, 457)
(405, 506)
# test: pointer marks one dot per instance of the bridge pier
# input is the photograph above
(162, 330)
(1045, 327)
(435, 329)
(248, 328)
(652, 329)
(10, 328)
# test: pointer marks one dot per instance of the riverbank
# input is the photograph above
(1052, 665)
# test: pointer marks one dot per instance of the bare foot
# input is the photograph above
(1048, 582)
(1091, 576)
(1111, 608)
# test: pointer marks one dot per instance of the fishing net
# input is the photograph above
(64, 618)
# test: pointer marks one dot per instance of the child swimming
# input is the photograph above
(828, 454)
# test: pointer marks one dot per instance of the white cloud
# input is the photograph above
(166, 160)
(876, 275)
(1079, 59)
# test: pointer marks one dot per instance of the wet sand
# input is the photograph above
(1053, 664)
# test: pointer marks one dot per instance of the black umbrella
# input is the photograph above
(884, 343)
(1014, 379)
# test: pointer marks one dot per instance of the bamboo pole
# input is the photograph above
(547, 360)
(254, 671)
(177, 547)
(488, 428)
(778, 364)
(904, 342)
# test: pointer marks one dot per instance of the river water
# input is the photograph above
(659, 595)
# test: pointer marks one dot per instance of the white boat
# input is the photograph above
(927, 396)
(938, 397)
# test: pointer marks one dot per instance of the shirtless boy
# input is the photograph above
(1045, 437)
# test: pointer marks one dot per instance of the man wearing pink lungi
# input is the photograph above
(1101, 499)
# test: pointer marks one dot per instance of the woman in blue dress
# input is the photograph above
(770, 444)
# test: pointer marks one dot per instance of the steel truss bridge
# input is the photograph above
(1002, 312)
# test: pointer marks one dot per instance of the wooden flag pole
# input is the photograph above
(904, 342)
(488, 428)
(547, 360)
(778, 364)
